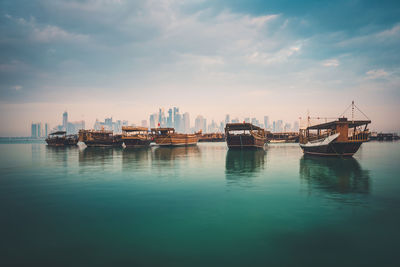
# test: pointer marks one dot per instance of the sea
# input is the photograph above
(203, 205)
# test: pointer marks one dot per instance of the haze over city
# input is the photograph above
(126, 59)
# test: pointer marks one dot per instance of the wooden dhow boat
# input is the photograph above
(136, 137)
(340, 137)
(60, 138)
(244, 135)
(168, 137)
(101, 138)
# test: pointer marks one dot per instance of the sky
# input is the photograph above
(246, 58)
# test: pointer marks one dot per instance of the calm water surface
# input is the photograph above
(200, 205)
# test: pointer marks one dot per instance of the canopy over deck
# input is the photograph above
(134, 129)
(162, 129)
(332, 124)
(58, 133)
(241, 126)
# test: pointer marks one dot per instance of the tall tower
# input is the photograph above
(65, 121)
(186, 122)
(266, 122)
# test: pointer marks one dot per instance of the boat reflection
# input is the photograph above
(172, 153)
(337, 176)
(97, 156)
(243, 163)
(134, 158)
(58, 154)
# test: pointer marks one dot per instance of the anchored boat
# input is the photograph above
(244, 135)
(168, 137)
(340, 137)
(336, 138)
(60, 138)
(135, 136)
(93, 138)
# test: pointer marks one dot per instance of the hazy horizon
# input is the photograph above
(126, 59)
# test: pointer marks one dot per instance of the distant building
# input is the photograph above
(227, 119)
(295, 126)
(74, 127)
(235, 120)
(266, 122)
(186, 122)
(288, 127)
(153, 120)
(279, 126)
(65, 121)
(34, 130)
(255, 122)
(170, 118)
(200, 124)
(178, 122)
(247, 120)
(46, 129)
(144, 123)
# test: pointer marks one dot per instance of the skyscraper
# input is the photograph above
(39, 129)
(169, 118)
(65, 121)
(34, 130)
(46, 129)
(177, 118)
(266, 122)
(199, 124)
(153, 120)
(186, 122)
(178, 122)
(227, 119)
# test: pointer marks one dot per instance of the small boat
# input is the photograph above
(168, 137)
(244, 135)
(60, 138)
(336, 138)
(102, 138)
(136, 136)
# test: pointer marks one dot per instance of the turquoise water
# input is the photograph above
(203, 206)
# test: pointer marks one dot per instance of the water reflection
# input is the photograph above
(97, 156)
(337, 176)
(172, 153)
(134, 158)
(60, 154)
(241, 164)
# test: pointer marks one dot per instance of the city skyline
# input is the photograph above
(124, 59)
(174, 119)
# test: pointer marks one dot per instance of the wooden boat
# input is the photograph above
(60, 138)
(244, 135)
(336, 138)
(93, 138)
(212, 137)
(168, 137)
(136, 136)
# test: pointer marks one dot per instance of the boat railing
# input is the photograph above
(315, 138)
(361, 136)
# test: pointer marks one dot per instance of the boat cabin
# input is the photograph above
(243, 129)
(349, 131)
(133, 131)
(162, 131)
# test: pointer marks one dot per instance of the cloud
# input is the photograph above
(377, 74)
(331, 63)
(17, 87)
(47, 33)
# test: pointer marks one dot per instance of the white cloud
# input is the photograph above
(331, 63)
(377, 74)
(17, 87)
(47, 33)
